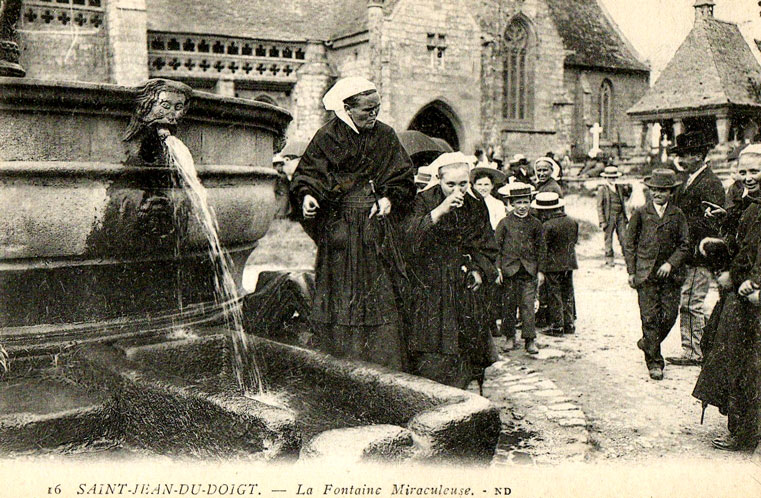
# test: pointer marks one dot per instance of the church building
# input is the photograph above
(521, 76)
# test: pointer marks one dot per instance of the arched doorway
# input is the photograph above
(437, 120)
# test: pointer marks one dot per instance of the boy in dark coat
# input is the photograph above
(561, 234)
(656, 246)
(521, 248)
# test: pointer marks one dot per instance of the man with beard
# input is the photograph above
(700, 186)
(350, 188)
(452, 253)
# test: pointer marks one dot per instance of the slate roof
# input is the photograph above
(711, 68)
(287, 20)
(592, 37)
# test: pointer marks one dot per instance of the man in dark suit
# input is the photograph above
(561, 234)
(611, 210)
(656, 246)
(700, 185)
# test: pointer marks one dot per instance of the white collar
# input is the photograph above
(661, 210)
(692, 177)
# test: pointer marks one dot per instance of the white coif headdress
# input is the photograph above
(342, 90)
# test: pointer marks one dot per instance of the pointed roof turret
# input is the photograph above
(713, 67)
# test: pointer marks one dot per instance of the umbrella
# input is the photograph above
(445, 147)
(295, 148)
(415, 142)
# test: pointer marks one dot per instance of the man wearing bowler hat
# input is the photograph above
(700, 186)
(656, 246)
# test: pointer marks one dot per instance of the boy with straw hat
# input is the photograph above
(561, 234)
(521, 248)
(656, 245)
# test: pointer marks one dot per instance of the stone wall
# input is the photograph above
(128, 41)
(548, 103)
(628, 88)
(314, 79)
(418, 77)
(351, 59)
(63, 42)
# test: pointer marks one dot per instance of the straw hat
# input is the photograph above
(516, 189)
(611, 172)
(489, 169)
(662, 178)
(519, 159)
(547, 200)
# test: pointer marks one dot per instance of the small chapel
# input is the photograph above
(712, 84)
(520, 76)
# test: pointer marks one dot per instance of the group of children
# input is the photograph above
(537, 254)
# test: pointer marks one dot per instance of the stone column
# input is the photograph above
(678, 127)
(375, 40)
(646, 133)
(225, 87)
(314, 78)
(722, 128)
(127, 22)
(10, 12)
(380, 71)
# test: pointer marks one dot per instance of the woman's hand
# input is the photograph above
(453, 201)
(310, 206)
(724, 280)
(475, 280)
(664, 271)
(746, 288)
(381, 208)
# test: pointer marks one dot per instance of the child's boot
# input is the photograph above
(531, 346)
(510, 343)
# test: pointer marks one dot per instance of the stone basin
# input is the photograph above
(178, 397)
(85, 249)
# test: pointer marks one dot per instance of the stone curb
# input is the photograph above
(558, 425)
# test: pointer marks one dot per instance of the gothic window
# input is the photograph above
(517, 72)
(606, 110)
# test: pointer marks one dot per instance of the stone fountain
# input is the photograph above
(112, 333)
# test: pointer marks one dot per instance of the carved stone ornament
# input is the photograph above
(159, 106)
(10, 11)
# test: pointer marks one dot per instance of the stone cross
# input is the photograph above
(596, 131)
(665, 148)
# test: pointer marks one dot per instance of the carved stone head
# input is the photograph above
(159, 104)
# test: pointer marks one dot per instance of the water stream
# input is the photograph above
(244, 363)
